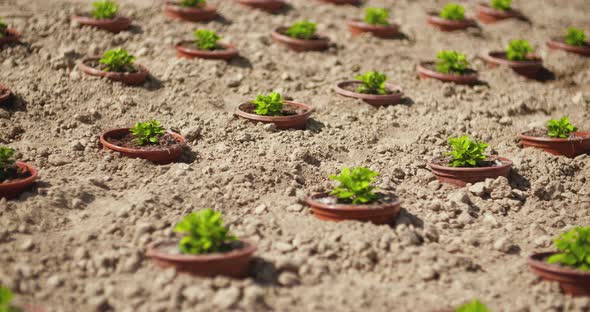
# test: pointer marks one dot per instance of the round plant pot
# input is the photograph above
(200, 14)
(159, 156)
(529, 68)
(295, 121)
(300, 45)
(342, 2)
(187, 49)
(488, 15)
(324, 207)
(346, 88)
(5, 94)
(460, 176)
(135, 78)
(114, 25)
(234, 263)
(11, 36)
(427, 70)
(559, 44)
(270, 6)
(13, 188)
(357, 27)
(571, 281)
(445, 25)
(570, 147)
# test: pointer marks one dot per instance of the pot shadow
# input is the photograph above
(240, 62)
(523, 18)
(15, 103)
(399, 36)
(544, 75)
(407, 218)
(221, 19)
(188, 156)
(135, 29)
(519, 182)
(406, 101)
(481, 83)
(314, 126)
(264, 272)
(286, 9)
(152, 83)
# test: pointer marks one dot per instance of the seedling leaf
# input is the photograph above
(192, 3)
(518, 50)
(373, 82)
(453, 11)
(575, 249)
(302, 30)
(206, 39)
(451, 62)
(466, 152)
(560, 128)
(473, 306)
(3, 28)
(269, 105)
(376, 16)
(503, 5)
(104, 9)
(356, 185)
(7, 169)
(148, 132)
(117, 60)
(205, 233)
(5, 298)
(575, 37)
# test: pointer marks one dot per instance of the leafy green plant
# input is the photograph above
(148, 132)
(302, 30)
(205, 233)
(356, 185)
(372, 83)
(192, 3)
(5, 298)
(466, 152)
(575, 249)
(560, 128)
(503, 5)
(104, 9)
(117, 60)
(473, 306)
(518, 50)
(376, 16)
(453, 11)
(575, 37)
(269, 105)
(451, 62)
(206, 39)
(7, 169)
(3, 28)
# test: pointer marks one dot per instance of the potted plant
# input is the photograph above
(104, 16)
(147, 140)
(574, 41)
(272, 108)
(190, 10)
(376, 22)
(371, 87)
(301, 37)
(270, 6)
(7, 35)
(355, 198)
(450, 18)
(450, 66)
(519, 56)
(207, 249)
(560, 137)
(15, 176)
(117, 65)
(467, 163)
(206, 46)
(5, 94)
(570, 265)
(496, 11)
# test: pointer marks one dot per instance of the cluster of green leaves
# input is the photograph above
(451, 62)
(6, 162)
(575, 37)
(205, 233)
(5, 298)
(453, 11)
(104, 9)
(302, 30)
(117, 60)
(518, 50)
(575, 249)
(376, 16)
(3, 28)
(192, 3)
(503, 5)
(206, 39)
(473, 306)
(373, 82)
(466, 152)
(356, 185)
(269, 105)
(148, 132)
(560, 128)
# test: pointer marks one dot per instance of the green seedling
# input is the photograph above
(560, 128)
(466, 152)
(372, 83)
(104, 9)
(192, 3)
(518, 50)
(473, 306)
(117, 60)
(453, 11)
(377, 16)
(206, 39)
(574, 246)
(148, 132)
(205, 233)
(7, 169)
(269, 105)
(3, 28)
(356, 185)
(302, 30)
(575, 37)
(503, 5)
(6, 297)
(451, 62)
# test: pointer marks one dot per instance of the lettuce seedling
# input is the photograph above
(372, 83)
(148, 132)
(453, 11)
(117, 60)
(377, 16)
(451, 62)
(466, 152)
(575, 37)
(205, 233)
(3, 28)
(104, 9)
(192, 3)
(518, 50)
(560, 128)
(575, 249)
(356, 185)
(7, 168)
(302, 30)
(206, 39)
(473, 306)
(5, 298)
(269, 105)
(503, 5)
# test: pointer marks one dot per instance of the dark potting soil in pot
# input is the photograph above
(432, 66)
(191, 45)
(446, 161)
(96, 64)
(381, 200)
(543, 133)
(15, 173)
(288, 110)
(166, 141)
(315, 37)
(173, 250)
(352, 87)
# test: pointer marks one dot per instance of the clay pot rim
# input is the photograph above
(312, 201)
(434, 17)
(103, 140)
(261, 1)
(357, 22)
(422, 67)
(154, 251)
(13, 33)
(278, 32)
(179, 8)
(6, 95)
(227, 49)
(488, 10)
(28, 180)
(583, 136)
(505, 163)
(308, 111)
(559, 43)
(390, 86)
(496, 57)
(82, 64)
(85, 19)
(536, 261)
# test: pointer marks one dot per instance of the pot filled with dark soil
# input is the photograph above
(301, 37)
(372, 87)
(104, 16)
(206, 46)
(5, 94)
(574, 41)
(15, 176)
(115, 65)
(519, 56)
(8, 35)
(450, 67)
(558, 138)
(272, 108)
(451, 18)
(190, 11)
(270, 6)
(376, 22)
(496, 11)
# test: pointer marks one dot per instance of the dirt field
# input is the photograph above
(76, 241)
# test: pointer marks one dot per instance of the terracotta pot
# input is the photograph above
(559, 44)
(225, 52)
(133, 79)
(444, 24)
(5, 94)
(488, 15)
(570, 147)
(114, 25)
(342, 2)
(298, 121)
(235, 263)
(460, 176)
(572, 281)
(13, 188)
(12, 36)
(161, 156)
(270, 6)
(344, 88)
(375, 213)
(426, 70)
(300, 45)
(357, 27)
(201, 14)
(529, 68)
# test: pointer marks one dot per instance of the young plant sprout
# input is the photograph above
(518, 50)
(302, 30)
(7, 167)
(206, 39)
(376, 16)
(269, 105)
(451, 62)
(356, 185)
(466, 152)
(148, 132)
(574, 246)
(117, 60)
(3, 28)
(560, 128)
(503, 5)
(473, 306)
(5, 298)
(372, 83)
(104, 9)
(205, 233)
(192, 3)
(453, 11)
(575, 37)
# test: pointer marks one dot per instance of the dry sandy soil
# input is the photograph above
(76, 241)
